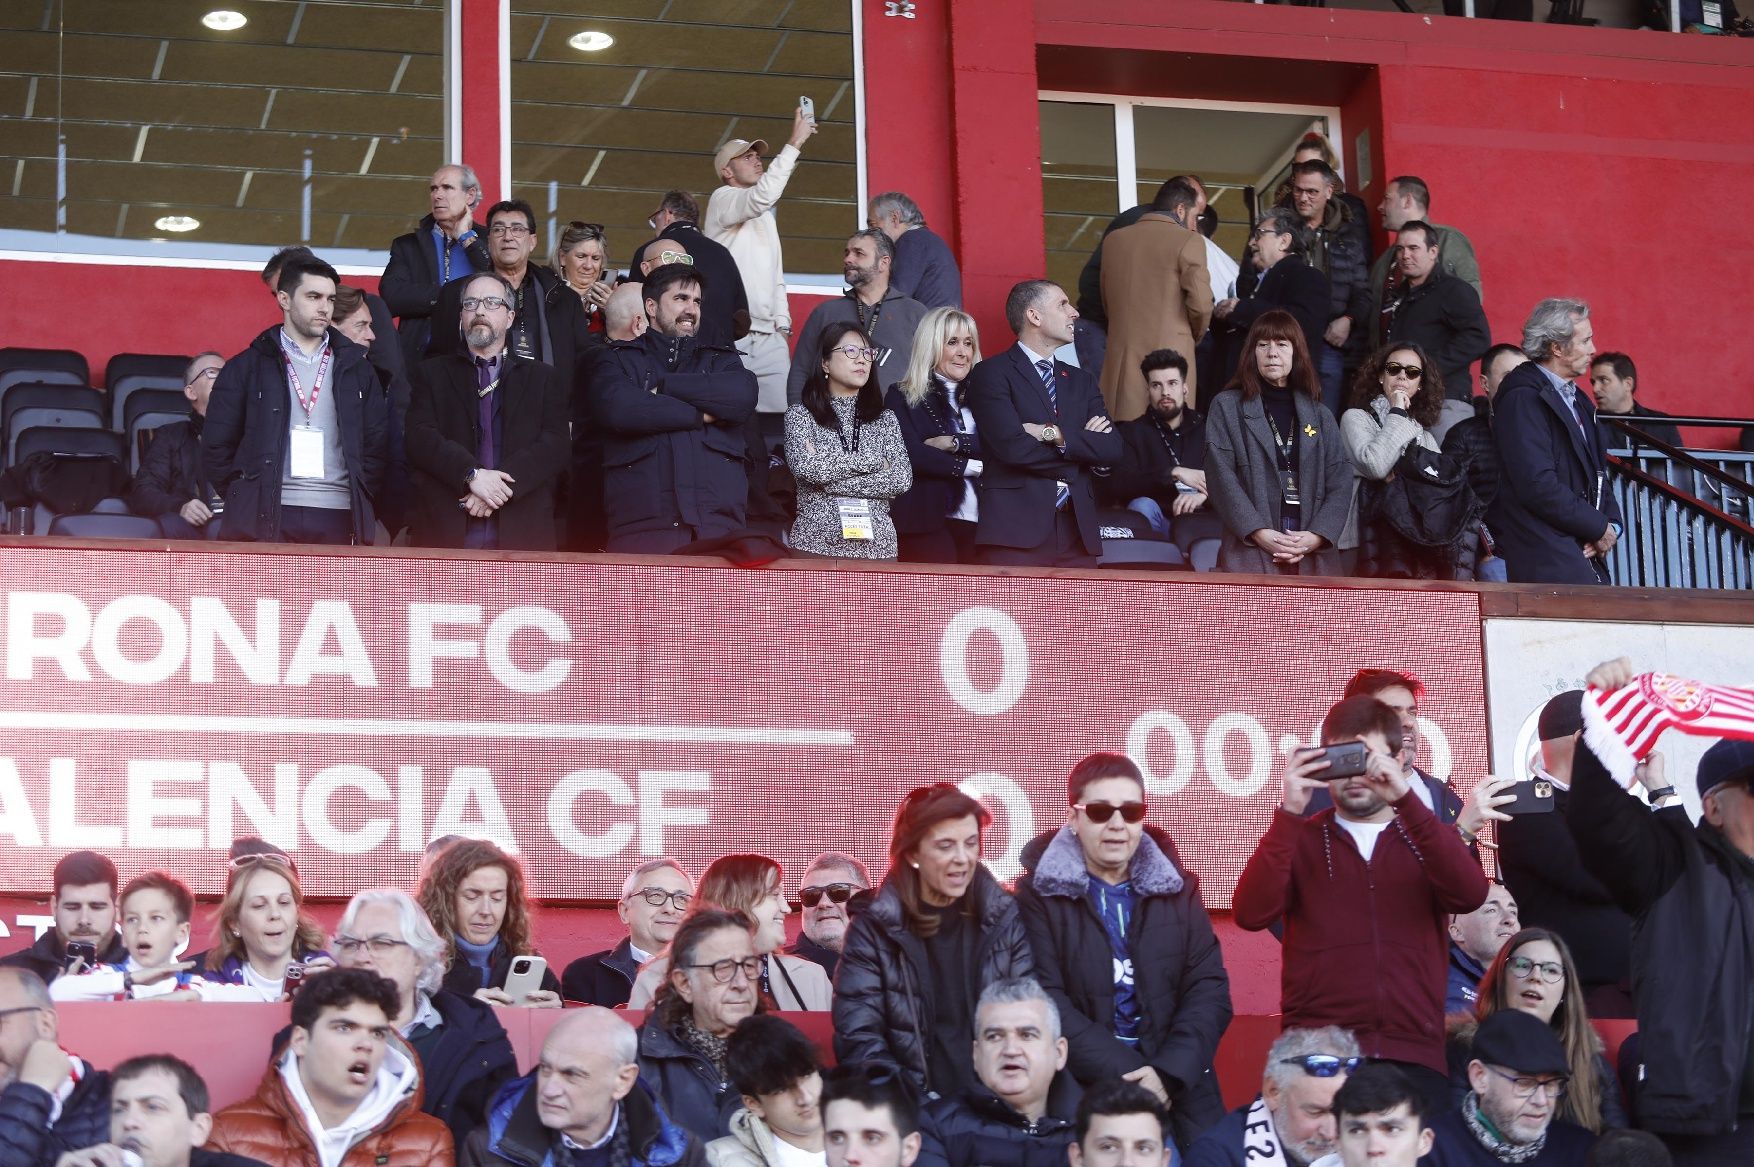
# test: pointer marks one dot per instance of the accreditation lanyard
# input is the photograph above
(316, 388)
(1287, 476)
(1163, 435)
(851, 447)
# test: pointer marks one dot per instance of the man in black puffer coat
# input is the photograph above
(33, 1071)
(1160, 1023)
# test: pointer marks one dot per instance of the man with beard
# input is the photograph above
(672, 411)
(84, 908)
(1291, 1122)
(1516, 1077)
(487, 435)
(1163, 475)
(1365, 889)
(889, 318)
(824, 894)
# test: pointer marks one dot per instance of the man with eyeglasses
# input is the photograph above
(50, 1101)
(171, 484)
(654, 898)
(1291, 1122)
(1517, 1073)
(488, 434)
(465, 1055)
(889, 318)
(662, 251)
(1125, 947)
(724, 308)
(1279, 253)
(825, 892)
(713, 983)
(582, 1104)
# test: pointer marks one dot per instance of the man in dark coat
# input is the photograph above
(1554, 518)
(171, 484)
(925, 267)
(1125, 947)
(50, 1101)
(446, 246)
(84, 908)
(1614, 380)
(1280, 253)
(487, 437)
(1043, 428)
(724, 307)
(1437, 311)
(653, 901)
(672, 411)
(297, 433)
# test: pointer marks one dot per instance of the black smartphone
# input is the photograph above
(81, 950)
(1346, 760)
(1533, 796)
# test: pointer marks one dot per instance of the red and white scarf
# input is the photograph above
(1621, 727)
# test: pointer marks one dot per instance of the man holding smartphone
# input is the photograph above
(1365, 889)
(85, 921)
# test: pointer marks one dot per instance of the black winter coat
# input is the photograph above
(1178, 969)
(466, 1063)
(663, 465)
(171, 472)
(47, 956)
(1290, 284)
(977, 1128)
(882, 997)
(602, 978)
(463, 978)
(1444, 317)
(1689, 891)
(938, 474)
(27, 1139)
(724, 304)
(692, 1092)
(1146, 469)
(1539, 863)
(245, 438)
(1469, 442)
(412, 283)
(563, 324)
(1346, 261)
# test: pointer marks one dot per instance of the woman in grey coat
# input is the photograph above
(1276, 466)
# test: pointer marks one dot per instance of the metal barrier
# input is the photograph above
(1687, 512)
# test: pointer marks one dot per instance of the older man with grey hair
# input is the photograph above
(825, 894)
(583, 1103)
(654, 898)
(447, 245)
(925, 267)
(1291, 1122)
(465, 1056)
(1022, 1107)
(1554, 518)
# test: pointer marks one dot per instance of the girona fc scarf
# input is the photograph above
(1622, 726)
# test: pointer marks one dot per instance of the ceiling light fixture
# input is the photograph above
(590, 42)
(177, 223)
(225, 20)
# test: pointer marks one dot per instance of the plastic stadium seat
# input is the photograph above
(106, 526)
(111, 506)
(142, 432)
(1141, 553)
(67, 406)
(70, 365)
(60, 440)
(11, 378)
(144, 364)
(152, 401)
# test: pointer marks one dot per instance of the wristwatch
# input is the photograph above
(1051, 434)
(1660, 794)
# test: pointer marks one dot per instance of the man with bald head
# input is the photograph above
(447, 244)
(50, 1101)
(659, 252)
(624, 314)
(583, 1104)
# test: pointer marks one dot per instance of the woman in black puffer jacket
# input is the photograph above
(939, 931)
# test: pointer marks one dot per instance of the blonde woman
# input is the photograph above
(580, 259)
(935, 519)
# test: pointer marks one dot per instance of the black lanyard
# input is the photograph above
(1284, 447)
(851, 447)
(1163, 433)
(870, 326)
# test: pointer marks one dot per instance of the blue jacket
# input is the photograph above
(27, 1139)
(514, 1133)
(925, 269)
(1464, 981)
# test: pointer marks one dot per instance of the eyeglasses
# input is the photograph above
(255, 857)
(1396, 369)
(204, 375)
(837, 893)
(493, 302)
(676, 257)
(587, 230)
(1324, 1065)
(1522, 968)
(658, 897)
(1524, 1086)
(377, 945)
(1266, 229)
(854, 352)
(1101, 812)
(725, 970)
(515, 230)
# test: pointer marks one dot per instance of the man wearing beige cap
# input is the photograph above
(740, 215)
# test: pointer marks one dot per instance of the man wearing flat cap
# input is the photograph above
(740, 215)
(1517, 1073)
(1538, 862)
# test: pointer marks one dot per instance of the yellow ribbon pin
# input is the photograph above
(1309, 431)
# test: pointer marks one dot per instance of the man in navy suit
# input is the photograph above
(1554, 518)
(1043, 427)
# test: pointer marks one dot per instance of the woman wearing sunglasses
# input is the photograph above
(1534, 972)
(939, 930)
(846, 453)
(262, 929)
(749, 886)
(1396, 399)
(580, 257)
(1106, 892)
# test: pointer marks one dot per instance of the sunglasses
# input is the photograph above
(676, 257)
(1396, 369)
(837, 893)
(1324, 1065)
(255, 857)
(1101, 812)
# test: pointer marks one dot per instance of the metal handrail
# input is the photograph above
(1687, 501)
(1681, 457)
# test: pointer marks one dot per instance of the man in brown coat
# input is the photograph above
(1157, 295)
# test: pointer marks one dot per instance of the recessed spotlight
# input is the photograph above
(177, 223)
(225, 20)
(590, 42)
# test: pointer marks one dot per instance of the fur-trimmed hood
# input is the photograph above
(1056, 864)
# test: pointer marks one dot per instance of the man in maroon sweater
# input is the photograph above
(1365, 889)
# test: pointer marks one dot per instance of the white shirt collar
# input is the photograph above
(1035, 358)
(614, 1121)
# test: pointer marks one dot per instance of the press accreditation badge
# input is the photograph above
(1288, 488)
(855, 519)
(1711, 14)
(307, 452)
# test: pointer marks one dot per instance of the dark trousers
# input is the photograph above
(660, 542)
(316, 525)
(953, 543)
(1063, 548)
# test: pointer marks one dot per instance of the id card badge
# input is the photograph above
(1711, 15)
(855, 519)
(1288, 488)
(307, 452)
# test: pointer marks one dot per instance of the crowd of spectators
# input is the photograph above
(1289, 410)
(1075, 1016)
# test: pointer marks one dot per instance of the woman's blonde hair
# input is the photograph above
(938, 326)
(308, 935)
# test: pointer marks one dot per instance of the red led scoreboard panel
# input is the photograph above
(353, 706)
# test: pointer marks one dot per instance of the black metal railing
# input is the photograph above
(1687, 511)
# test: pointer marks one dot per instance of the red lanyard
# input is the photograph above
(298, 389)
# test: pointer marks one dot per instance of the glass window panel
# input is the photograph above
(1079, 181)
